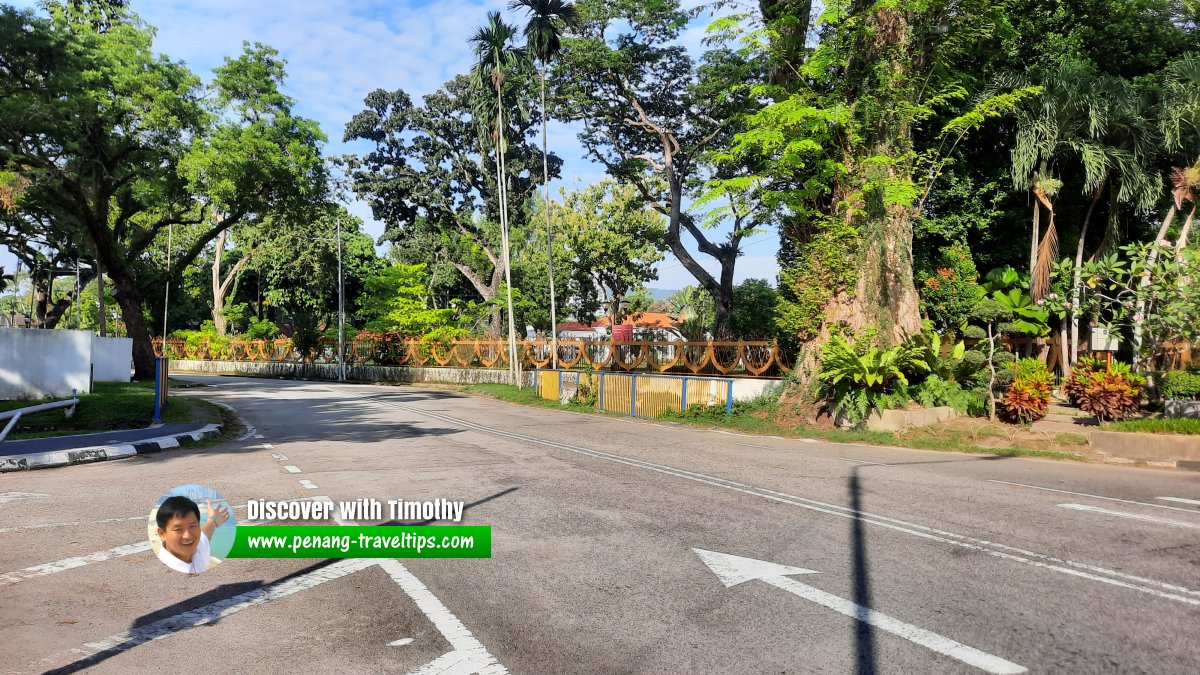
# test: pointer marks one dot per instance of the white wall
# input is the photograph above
(112, 359)
(39, 363)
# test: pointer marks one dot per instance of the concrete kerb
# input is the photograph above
(100, 453)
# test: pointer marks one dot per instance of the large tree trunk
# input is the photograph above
(221, 286)
(130, 301)
(1139, 316)
(41, 294)
(790, 20)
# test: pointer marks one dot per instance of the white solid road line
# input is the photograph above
(71, 563)
(1131, 516)
(223, 608)
(1084, 494)
(308, 484)
(468, 655)
(401, 642)
(733, 570)
(291, 469)
(1181, 500)
(1004, 551)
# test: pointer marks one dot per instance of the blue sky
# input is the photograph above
(339, 50)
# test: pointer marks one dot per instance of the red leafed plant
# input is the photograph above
(1028, 396)
(1080, 377)
(1111, 394)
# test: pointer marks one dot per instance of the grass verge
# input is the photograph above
(110, 406)
(1158, 425)
(759, 418)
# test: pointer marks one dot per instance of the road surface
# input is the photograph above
(619, 546)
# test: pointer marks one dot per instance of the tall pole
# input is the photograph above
(512, 329)
(78, 298)
(167, 295)
(341, 312)
(549, 232)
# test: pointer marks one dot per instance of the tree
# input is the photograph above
(430, 178)
(495, 56)
(614, 243)
(651, 116)
(543, 38)
(127, 143)
(397, 299)
(753, 314)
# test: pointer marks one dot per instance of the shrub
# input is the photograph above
(306, 340)
(974, 333)
(1080, 374)
(1181, 385)
(261, 330)
(1028, 395)
(1111, 394)
(935, 391)
(858, 379)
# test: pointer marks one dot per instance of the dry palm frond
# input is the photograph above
(1047, 253)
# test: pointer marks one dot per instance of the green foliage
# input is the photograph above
(826, 267)
(949, 292)
(1180, 384)
(973, 332)
(933, 391)
(261, 330)
(1158, 425)
(858, 378)
(306, 338)
(753, 315)
(395, 300)
(694, 306)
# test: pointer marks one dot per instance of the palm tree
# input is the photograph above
(494, 56)
(543, 38)
(1063, 124)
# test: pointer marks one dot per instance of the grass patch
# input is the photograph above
(526, 395)
(1158, 425)
(758, 417)
(110, 406)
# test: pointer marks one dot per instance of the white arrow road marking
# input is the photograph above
(1084, 494)
(308, 484)
(291, 468)
(996, 549)
(279, 456)
(1181, 500)
(6, 497)
(401, 642)
(733, 570)
(1132, 516)
(71, 563)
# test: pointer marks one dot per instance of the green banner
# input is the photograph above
(363, 541)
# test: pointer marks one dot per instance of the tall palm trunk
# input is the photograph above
(513, 368)
(1139, 316)
(549, 231)
(1075, 277)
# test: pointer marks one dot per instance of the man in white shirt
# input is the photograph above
(185, 544)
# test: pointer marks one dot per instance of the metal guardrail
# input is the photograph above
(752, 358)
(41, 407)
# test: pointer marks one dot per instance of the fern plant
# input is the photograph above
(857, 380)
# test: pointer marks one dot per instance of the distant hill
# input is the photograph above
(662, 293)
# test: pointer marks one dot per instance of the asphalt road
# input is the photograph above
(611, 545)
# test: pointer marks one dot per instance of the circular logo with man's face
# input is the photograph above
(191, 528)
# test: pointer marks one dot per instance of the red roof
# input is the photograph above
(642, 320)
(572, 325)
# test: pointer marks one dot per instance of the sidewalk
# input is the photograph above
(41, 453)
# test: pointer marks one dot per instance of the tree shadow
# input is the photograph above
(197, 604)
(864, 635)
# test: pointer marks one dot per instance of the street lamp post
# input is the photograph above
(167, 295)
(341, 310)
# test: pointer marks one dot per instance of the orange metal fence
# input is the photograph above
(744, 358)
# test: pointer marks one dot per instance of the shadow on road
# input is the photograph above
(864, 637)
(199, 602)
